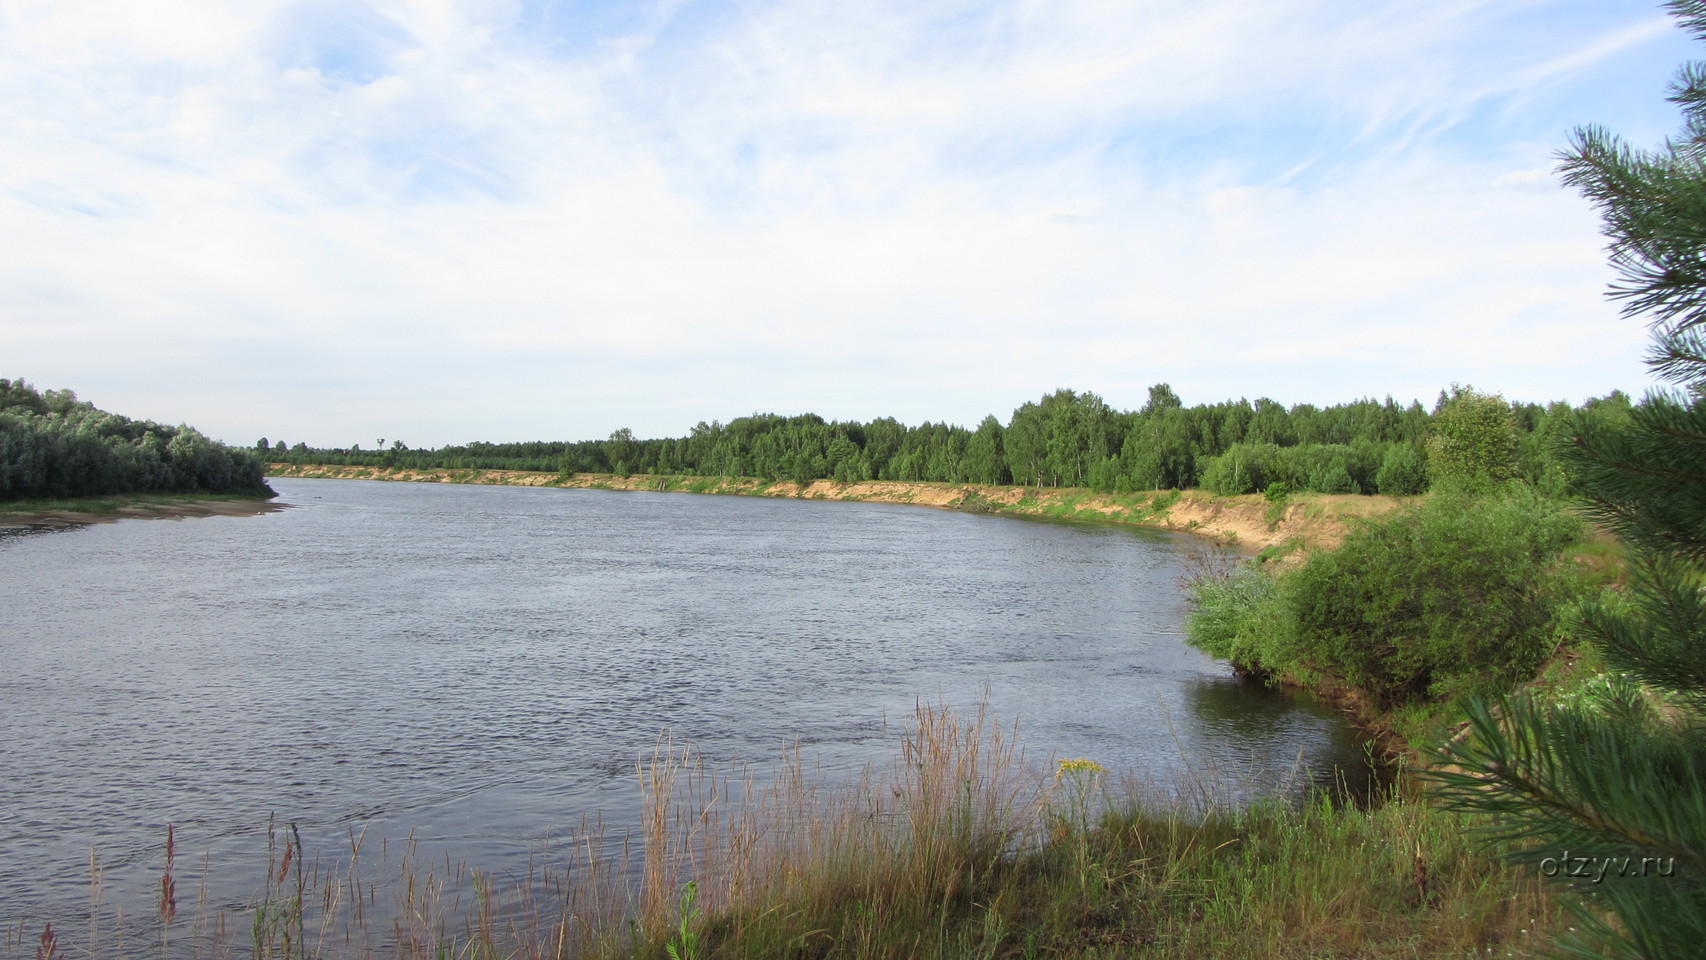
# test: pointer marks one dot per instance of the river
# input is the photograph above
(480, 667)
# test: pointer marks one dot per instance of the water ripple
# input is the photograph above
(483, 666)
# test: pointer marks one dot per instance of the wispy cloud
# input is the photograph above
(443, 220)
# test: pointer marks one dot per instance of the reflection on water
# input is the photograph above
(1271, 722)
(481, 666)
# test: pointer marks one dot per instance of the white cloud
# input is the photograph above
(447, 221)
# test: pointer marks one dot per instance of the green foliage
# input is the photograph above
(1241, 469)
(619, 451)
(1474, 444)
(984, 460)
(1333, 476)
(54, 446)
(1403, 472)
(1603, 796)
(1453, 594)
(1316, 467)
(1240, 617)
(685, 944)
(1616, 782)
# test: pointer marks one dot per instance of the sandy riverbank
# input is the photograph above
(123, 509)
(1304, 521)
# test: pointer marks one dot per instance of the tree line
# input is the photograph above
(54, 446)
(1067, 438)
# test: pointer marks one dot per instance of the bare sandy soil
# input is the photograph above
(1308, 520)
(1305, 521)
(170, 510)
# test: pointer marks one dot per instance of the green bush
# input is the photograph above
(1239, 470)
(1239, 616)
(1320, 467)
(1474, 442)
(1164, 500)
(1332, 478)
(1403, 471)
(1454, 594)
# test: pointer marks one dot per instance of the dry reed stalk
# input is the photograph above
(48, 948)
(168, 905)
(963, 796)
(957, 800)
(657, 789)
(418, 921)
(168, 885)
(95, 891)
(208, 927)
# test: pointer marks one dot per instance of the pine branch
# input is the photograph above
(1554, 780)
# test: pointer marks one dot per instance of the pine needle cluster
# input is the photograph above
(1607, 794)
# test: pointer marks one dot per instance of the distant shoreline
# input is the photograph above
(1304, 521)
(82, 512)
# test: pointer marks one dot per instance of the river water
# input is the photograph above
(480, 667)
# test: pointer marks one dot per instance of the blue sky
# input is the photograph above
(441, 221)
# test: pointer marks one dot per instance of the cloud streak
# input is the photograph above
(444, 221)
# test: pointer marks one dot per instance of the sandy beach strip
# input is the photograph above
(1307, 520)
(31, 519)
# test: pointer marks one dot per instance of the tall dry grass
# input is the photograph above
(959, 849)
(956, 802)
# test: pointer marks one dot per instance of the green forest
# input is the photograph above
(1069, 439)
(54, 446)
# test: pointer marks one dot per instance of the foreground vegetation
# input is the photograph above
(961, 850)
(1622, 781)
(1602, 788)
(1430, 616)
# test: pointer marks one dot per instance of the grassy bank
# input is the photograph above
(1303, 521)
(959, 850)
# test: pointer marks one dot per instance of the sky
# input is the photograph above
(442, 221)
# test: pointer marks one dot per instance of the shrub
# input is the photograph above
(1238, 616)
(1403, 472)
(1238, 470)
(1452, 595)
(1455, 594)
(1332, 478)
(1320, 467)
(1475, 440)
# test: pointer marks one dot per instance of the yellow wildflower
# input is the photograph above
(1077, 766)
